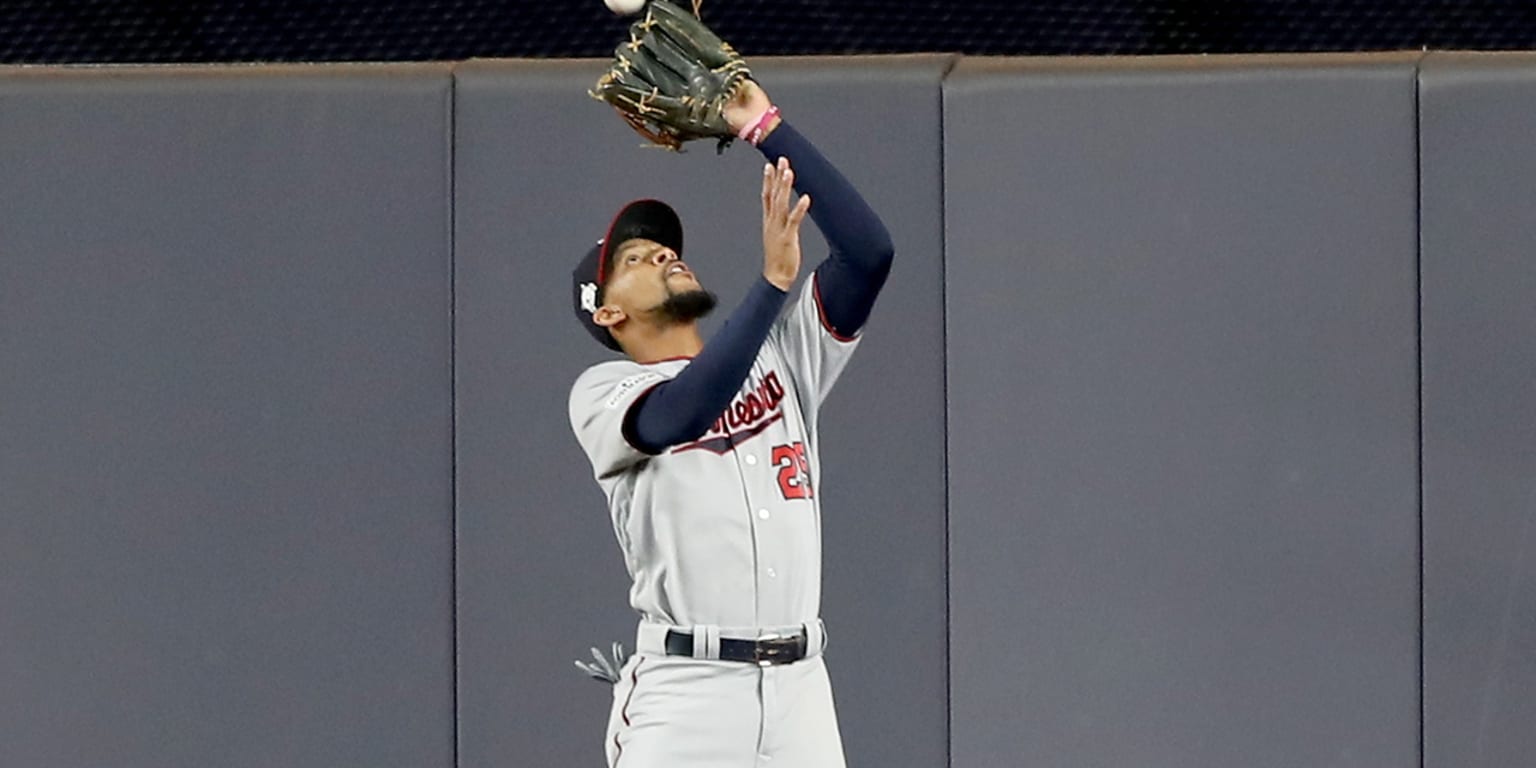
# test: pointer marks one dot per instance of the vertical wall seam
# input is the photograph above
(1418, 331)
(453, 391)
(949, 701)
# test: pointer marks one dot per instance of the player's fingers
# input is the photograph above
(780, 202)
(784, 193)
(779, 168)
(770, 193)
(771, 202)
(767, 189)
(801, 208)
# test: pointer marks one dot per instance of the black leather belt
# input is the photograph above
(782, 650)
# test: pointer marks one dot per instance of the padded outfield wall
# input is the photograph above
(1194, 427)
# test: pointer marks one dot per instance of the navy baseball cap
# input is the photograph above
(649, 219)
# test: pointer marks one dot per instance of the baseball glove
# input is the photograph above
(672, 80)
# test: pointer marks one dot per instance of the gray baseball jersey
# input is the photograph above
(724, 530)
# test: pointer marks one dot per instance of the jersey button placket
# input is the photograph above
(762, 514)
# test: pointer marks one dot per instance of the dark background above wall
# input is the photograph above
(37, 31)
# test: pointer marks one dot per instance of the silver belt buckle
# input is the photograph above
(765, 656)
(758, 649)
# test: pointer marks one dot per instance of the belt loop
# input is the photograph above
(651, 638)
(706, 641)
(815, 638)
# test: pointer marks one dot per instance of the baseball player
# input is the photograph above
(708, 456)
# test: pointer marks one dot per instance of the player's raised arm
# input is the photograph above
(850, 279)
(683, 408)
(675, 81)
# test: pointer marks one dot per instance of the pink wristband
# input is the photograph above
(753, 132)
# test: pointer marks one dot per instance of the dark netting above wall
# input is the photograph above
(42, 31)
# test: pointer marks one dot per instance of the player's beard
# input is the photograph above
(686, 306)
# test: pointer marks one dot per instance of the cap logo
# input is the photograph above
(589, 297)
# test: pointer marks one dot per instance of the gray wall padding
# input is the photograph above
(1479, 278)
(225, 499)
(1127, 471)
(1182, 412)
(540, 575)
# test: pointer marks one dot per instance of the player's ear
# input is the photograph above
(608, 316)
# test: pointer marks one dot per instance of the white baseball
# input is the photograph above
(624, 7)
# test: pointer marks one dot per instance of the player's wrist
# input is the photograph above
(756, 129)
(768, 128)
(780, 280)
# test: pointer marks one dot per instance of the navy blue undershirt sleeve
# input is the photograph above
(850, 278)
(848, 282)
(684, 407)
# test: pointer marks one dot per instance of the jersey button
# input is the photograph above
(751, 460)
(772, 574)
(762, 513)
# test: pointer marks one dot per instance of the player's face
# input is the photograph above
(645, 275)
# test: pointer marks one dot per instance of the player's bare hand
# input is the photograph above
(748, 105)
(781, 224)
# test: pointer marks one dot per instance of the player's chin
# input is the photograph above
(687, 305)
